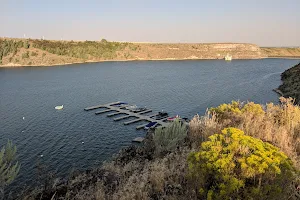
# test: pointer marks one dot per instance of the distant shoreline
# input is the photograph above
(133, 60)
(286, 57)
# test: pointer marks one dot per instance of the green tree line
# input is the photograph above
(83, 50)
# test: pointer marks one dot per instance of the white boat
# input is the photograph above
(131, 107)
(59, 107)
(228, 57)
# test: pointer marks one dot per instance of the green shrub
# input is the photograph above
(103, 40)
(133, 47)
(167, 139)
(34, 53)
(9, 168)
(235, 166)
(26, 44)
(236, 109)
(25, 55)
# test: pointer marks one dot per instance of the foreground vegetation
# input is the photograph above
(9, 167)
(235, 151)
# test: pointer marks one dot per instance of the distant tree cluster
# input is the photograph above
(83, 50)
(11, 46)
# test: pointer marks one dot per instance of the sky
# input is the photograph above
(262, 22)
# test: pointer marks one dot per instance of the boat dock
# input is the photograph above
(118, 110)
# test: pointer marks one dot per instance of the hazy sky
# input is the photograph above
(264, 22)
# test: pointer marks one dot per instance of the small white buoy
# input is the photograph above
(23, 118)
(42, 155)
(82, 142)
(22, 131)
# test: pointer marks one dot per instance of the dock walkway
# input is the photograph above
(121, 110)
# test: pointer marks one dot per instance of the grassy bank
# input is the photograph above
(235, 151)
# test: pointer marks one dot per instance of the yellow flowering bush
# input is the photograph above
(236, 109)
(232, 165)
(253, 108)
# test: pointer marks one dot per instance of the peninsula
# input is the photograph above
(34, 52)
(290, 86)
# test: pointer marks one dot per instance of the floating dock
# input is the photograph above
(110, 107)
(138, 139)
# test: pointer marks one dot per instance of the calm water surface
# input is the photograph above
(179, 87)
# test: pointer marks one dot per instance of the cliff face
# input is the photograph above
(291, 83)
(199, 51)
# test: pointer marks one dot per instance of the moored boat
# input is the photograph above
(161, 115)
(59, 107)
(130, 107)
(136, 110)
(150, 125)
(228, 57)
(173, 118)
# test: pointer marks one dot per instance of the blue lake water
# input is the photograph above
(179, 87)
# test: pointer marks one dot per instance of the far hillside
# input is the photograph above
(31, 52)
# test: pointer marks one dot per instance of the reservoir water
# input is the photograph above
(28, 97)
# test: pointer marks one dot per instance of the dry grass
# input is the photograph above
(201, 127)
(160, 179)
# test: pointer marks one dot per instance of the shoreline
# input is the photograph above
(278, 91)
(132, 60)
